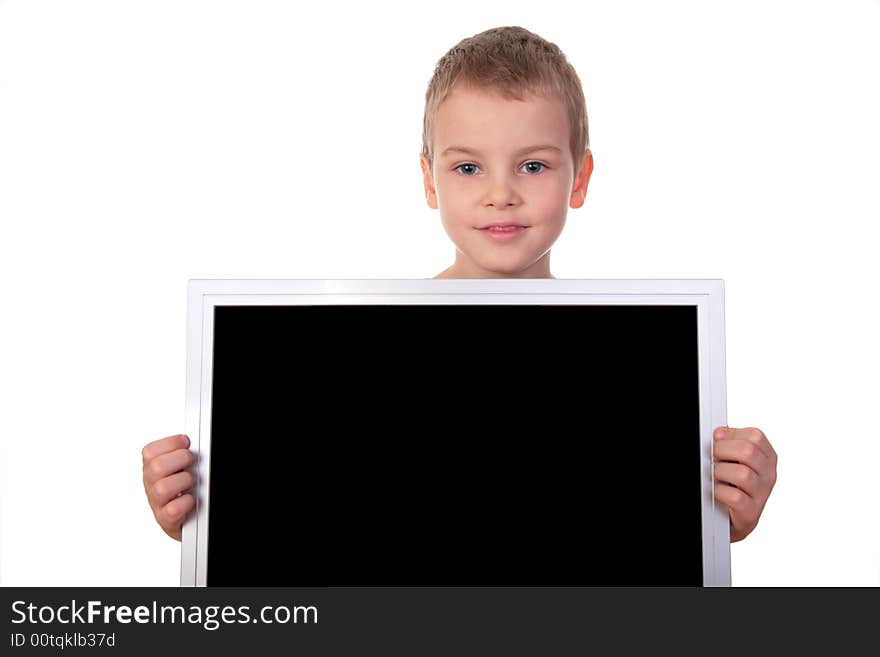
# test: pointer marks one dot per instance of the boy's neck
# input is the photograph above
(460, 269)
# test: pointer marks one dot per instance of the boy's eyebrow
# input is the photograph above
(522, 151)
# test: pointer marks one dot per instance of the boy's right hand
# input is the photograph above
(166, 481)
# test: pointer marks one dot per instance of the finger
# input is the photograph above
(742, 510)
(171, 516)
(164, 445)
(738, 501)
(742, 451)
(166, 489)
(750, 434)
(167, 464)
(741, 476)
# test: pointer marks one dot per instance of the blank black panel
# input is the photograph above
(455, 445)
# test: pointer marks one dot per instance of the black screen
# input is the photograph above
(455, 445)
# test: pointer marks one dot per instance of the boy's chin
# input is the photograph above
(510, 267)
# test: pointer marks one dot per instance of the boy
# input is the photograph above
(505, 152)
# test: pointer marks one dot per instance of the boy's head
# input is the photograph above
(492, 97)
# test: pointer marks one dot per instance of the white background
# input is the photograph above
(146, 143)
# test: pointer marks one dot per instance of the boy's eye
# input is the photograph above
(471, 169)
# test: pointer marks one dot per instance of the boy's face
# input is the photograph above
(485, 173)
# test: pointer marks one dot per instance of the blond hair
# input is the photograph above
(513, 62)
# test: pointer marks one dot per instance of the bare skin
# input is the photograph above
(496, 160)
(498, 181)
(489, 182)
(745, 473)
(167, 483)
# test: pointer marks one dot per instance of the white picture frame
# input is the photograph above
(706, 295)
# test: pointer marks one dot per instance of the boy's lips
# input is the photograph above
(503, 231)
(503, 224)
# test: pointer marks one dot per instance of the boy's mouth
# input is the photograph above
(503, 231)
(503, 226)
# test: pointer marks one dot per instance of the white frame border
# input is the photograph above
(706, 294)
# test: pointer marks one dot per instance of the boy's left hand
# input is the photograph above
(745, 472)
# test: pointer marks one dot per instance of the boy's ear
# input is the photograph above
(579, 191)
(430, 192)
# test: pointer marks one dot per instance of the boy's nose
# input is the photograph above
(500, 193)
